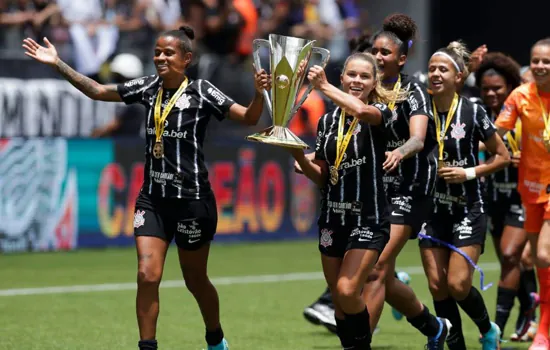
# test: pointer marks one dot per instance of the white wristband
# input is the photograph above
(470, 173)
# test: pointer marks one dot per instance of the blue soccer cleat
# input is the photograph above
(438, 342)
(221, 346)
(491, 339)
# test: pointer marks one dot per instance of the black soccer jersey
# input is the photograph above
(415, 175)
(469, 126)
(502, 185)
(358, 197)
(181, 173)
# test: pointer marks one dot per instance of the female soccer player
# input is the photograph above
(353, 225)
(496, 77)
(176, 199)
(459, 218)
(531, 104)
(410, 176)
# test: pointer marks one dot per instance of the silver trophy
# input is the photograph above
(289, 63)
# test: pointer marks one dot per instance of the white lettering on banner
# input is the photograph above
(39, 202)
(49, 107)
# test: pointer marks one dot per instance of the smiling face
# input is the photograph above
(169, 59)
(443, 77)
(494, 91)
(358, 78)
(387, 56)
(540, 64)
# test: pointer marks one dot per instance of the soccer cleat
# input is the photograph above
(491, 339)
(540, 343)
(405, 278)
(531, 332)
(221, 346)
(524, 319)
(438, 342)
(321, 314)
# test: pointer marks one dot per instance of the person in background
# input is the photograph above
(496, 77)
(530, 103)
(129, 120)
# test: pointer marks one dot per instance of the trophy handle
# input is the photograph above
(257, 44)
(325, 56)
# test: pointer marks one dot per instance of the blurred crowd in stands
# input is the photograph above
(89, 34)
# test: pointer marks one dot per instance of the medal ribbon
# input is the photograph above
(514, 141)
(395, 90)
(160, 118)
(544, 115)
(440, 134)
(342, 142)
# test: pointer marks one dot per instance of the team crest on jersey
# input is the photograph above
(457, 131)
(326, 238)
(394, 115)
(139, 219)
(183, 102)
(357, 128)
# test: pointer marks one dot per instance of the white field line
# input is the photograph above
(217, 281)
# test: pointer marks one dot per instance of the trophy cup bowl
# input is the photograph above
(289, 62)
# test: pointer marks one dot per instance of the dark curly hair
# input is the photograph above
(501, 64)
(361, 43)
(399, 28)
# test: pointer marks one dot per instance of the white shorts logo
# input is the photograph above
(139, 220)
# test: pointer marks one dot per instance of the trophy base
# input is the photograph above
(278, 136)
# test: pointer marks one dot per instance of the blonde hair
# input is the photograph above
(459, 54)
(379, 93)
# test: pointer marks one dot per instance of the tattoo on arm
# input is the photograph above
(411, 147)
(88, 86)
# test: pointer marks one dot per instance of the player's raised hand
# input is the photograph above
(47, 55)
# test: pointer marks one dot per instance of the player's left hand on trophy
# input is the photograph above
(262, 80)
(452, 175)
(317, 76)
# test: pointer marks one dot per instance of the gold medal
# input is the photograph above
(341, 145)
(516, 154)
(333, 175)
(440, 132)
(160, 118)
(158, 150)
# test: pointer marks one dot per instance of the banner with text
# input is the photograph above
(49, 107)
(65, 194)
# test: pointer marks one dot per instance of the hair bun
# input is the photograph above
(403, 26)
(188, 31)
(460, 49)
